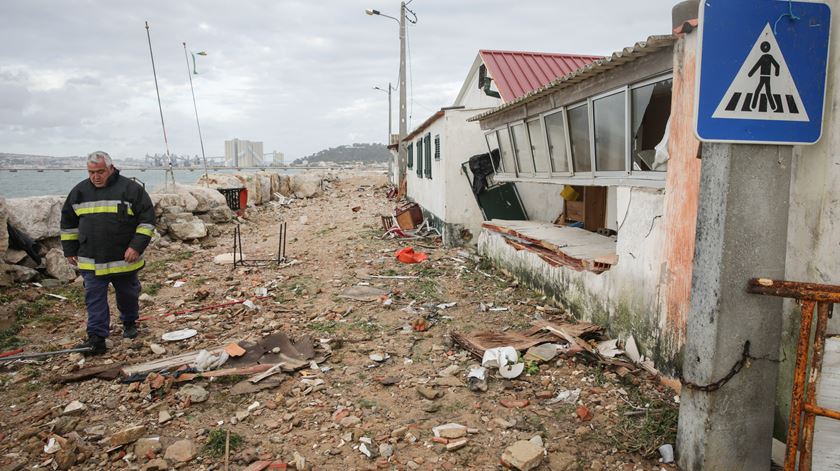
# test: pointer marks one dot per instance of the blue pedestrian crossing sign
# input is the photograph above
(762, 71)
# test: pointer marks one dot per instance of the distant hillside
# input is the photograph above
(349, 153)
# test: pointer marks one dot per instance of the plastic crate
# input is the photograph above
(236, 198)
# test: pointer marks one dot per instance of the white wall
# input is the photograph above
(625, 297)
(428, 193)
(475, 97)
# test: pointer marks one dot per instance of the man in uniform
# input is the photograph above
(106, 223)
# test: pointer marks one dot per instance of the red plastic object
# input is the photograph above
(243, 199)
(408, 255)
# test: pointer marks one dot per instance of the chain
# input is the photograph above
(745, 356)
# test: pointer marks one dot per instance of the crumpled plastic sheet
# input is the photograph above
(205, 361)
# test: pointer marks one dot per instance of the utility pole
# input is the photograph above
(195, 107)
(388, 141)
(401, 157)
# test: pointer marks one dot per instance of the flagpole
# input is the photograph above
(195, 107)
(160, 107)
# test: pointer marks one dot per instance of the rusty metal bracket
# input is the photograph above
(803, 404)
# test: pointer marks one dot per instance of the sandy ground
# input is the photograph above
(322, 416)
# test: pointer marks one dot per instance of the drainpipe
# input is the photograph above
(487, 91)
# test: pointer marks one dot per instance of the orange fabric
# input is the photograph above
(408, 255)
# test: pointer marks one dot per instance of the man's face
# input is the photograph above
(99, 173)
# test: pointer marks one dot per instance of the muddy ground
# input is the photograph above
(320, 417)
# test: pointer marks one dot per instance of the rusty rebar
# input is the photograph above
(799, 384)
(811, 393)
(795, 290)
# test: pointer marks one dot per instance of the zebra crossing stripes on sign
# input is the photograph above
(763, 87)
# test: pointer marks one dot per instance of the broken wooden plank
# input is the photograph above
(110, 371)
(166, 363)
(248, 370)
(478, 342)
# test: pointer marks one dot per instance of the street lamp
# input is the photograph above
(388, 141)
(401, 153)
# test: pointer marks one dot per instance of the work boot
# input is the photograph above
(95, 342)
(130, 330)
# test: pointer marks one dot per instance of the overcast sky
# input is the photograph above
(75, 76)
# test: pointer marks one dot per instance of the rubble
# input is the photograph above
(311, 372)
(523, 455)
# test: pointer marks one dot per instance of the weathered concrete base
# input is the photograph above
(741, 233)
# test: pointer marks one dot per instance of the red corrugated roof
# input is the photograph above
(516, 73)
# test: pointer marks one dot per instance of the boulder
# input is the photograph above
(58, 267)
(175, 195)
(264, 186)
(6, 279)
(13, 256)
(20, 273)
(38, 216)
(305, 185)
(4, 234)
(274, 178)
(220, 214)
(188, 230)
(220, 180)
(181, 451)
(253, 186)
(285, 188)
(207, 198)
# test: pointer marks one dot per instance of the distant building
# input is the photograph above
(242, 153)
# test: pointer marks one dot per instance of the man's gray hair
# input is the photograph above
(96, 157)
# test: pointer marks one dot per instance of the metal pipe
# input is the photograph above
(799, 384)
(805, 456)
(160, 108)
(29, 356)
(822, 411)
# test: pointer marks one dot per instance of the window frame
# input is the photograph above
(544, 141)
(427, 162)
(566, 143)
(409, 151)
(419, 167)
(513, 146)
(437, 147)
(573, 170)
(505, 172)
(645, 174)
(593, 149)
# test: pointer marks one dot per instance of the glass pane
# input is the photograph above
(522, 148)
(538, 146)
(610, 133)
(651, 109)
(579, 138)
(506, 150)
(493, 146)
(556, 130)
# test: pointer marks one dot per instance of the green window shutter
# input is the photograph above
(410, 152)
(420, 158)
(437, 146)
(427, 147)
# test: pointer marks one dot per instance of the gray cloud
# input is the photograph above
(298, 75)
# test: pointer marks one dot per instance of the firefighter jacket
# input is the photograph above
(99, 224)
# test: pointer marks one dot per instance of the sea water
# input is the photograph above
(56, 182)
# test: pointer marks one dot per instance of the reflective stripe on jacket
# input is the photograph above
(99, 224)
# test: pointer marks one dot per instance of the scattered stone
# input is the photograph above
(182, 451)
(74, 408)
(456, 445)
(350, 421)
(58, 267)
(147, 447)
(157, 349)
(126, 436)
(164, 417)
(224, 259)
(158, 464)
(583, 413)
(196, 394)
(386, 450)
(450, 430)
(562, 462)
(429, 393)
(449, 371)
(515, 403)
(523, 456)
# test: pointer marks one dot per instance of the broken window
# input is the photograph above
(493, 145)
(522, 149)
(651, 109)
(503, 138)
(579, 138)
(535, 134)
(555, 130)
(610, 132)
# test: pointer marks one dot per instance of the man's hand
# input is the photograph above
(131, 255)
(73, 261)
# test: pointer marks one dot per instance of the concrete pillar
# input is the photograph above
(741, 233)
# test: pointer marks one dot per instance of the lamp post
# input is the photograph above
(401, 154)
(390, 120)
(195, 107)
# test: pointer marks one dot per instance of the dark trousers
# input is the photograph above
(127, 288)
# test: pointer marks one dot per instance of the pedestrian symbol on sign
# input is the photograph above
(763, 88)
